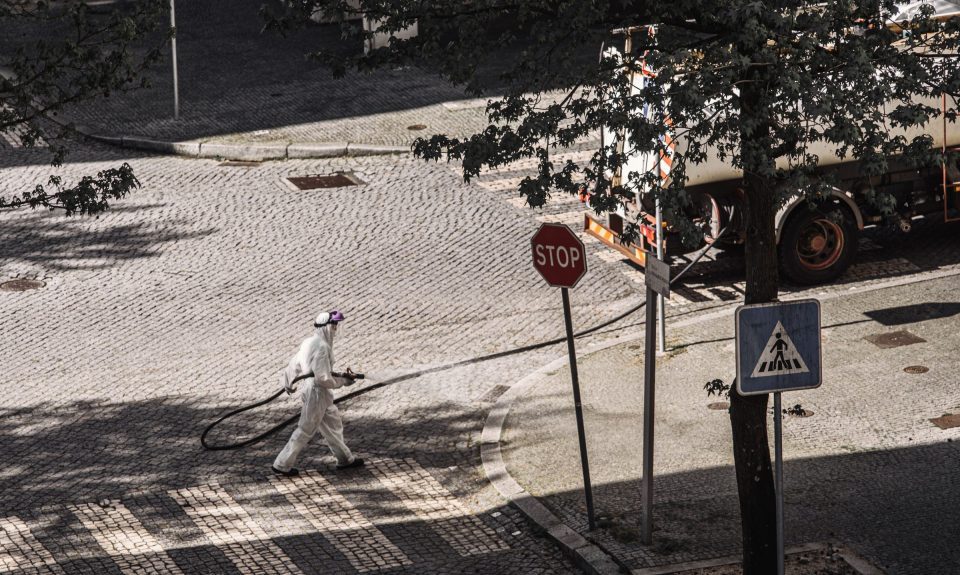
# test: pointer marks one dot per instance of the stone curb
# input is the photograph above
(252, 152)
(587, 555)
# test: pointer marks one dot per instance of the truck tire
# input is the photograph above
(817, 246)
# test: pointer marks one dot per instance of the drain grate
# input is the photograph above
(21, 285)
(239, 163)
(417, 127)
(718, 405)
(916, 369)
(947, 421)
(894, 339)
(337, 180)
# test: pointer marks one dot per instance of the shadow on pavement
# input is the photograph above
(908, 314)
(91, 450)
(893, 506)
(140, 452)
(61, 244)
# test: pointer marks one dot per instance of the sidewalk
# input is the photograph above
(249, 95)
(868, 469)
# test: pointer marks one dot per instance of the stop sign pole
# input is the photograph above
(559, 256)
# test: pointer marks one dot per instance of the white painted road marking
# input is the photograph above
(365, 546)
(134, 549)
(436, 507)
(228, 526)
(19, 550)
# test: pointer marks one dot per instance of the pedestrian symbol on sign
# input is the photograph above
(780, 356)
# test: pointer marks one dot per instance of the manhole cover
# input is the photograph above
(947, 421)
(417, 127)
(916, 369)
(800, 413)
(718, 405)
(21, 285)
(894, 339)
(338, 180)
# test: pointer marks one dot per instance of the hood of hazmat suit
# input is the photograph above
(316, 355)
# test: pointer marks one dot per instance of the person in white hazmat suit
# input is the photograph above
(319, 412)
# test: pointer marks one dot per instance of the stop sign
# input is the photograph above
(559, 255)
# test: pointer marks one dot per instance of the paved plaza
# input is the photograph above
(186, 299)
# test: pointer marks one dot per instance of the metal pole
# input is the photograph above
(173, 48)
(778, 455)
(578, 408)
(649, 381)
(661, 309)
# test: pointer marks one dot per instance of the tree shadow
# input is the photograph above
(63, 244)
(907, 314)
(88, 450)
(894, 506)
(141, 453)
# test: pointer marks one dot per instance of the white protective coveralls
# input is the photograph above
(319, 412)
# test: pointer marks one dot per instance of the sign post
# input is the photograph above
(657, 279)
(559, 256)
(778, 349)
(173, 60)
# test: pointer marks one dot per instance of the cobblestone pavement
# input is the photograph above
(238, 85)
(184, 301)
(867, 467)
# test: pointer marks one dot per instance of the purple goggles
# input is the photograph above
(333, 317)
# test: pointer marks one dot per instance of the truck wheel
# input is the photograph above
(817, 246)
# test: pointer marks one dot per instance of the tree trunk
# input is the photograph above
(748, 415)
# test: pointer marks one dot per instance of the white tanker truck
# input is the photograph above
(815, 246)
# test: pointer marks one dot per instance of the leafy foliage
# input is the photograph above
(797, 411)
(717, 387)
(69, 53)
(762, 87)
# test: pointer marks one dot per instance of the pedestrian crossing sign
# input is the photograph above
(778, 347)
(780, 356)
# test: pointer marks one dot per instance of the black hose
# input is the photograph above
(252, 440)
(482, 358)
